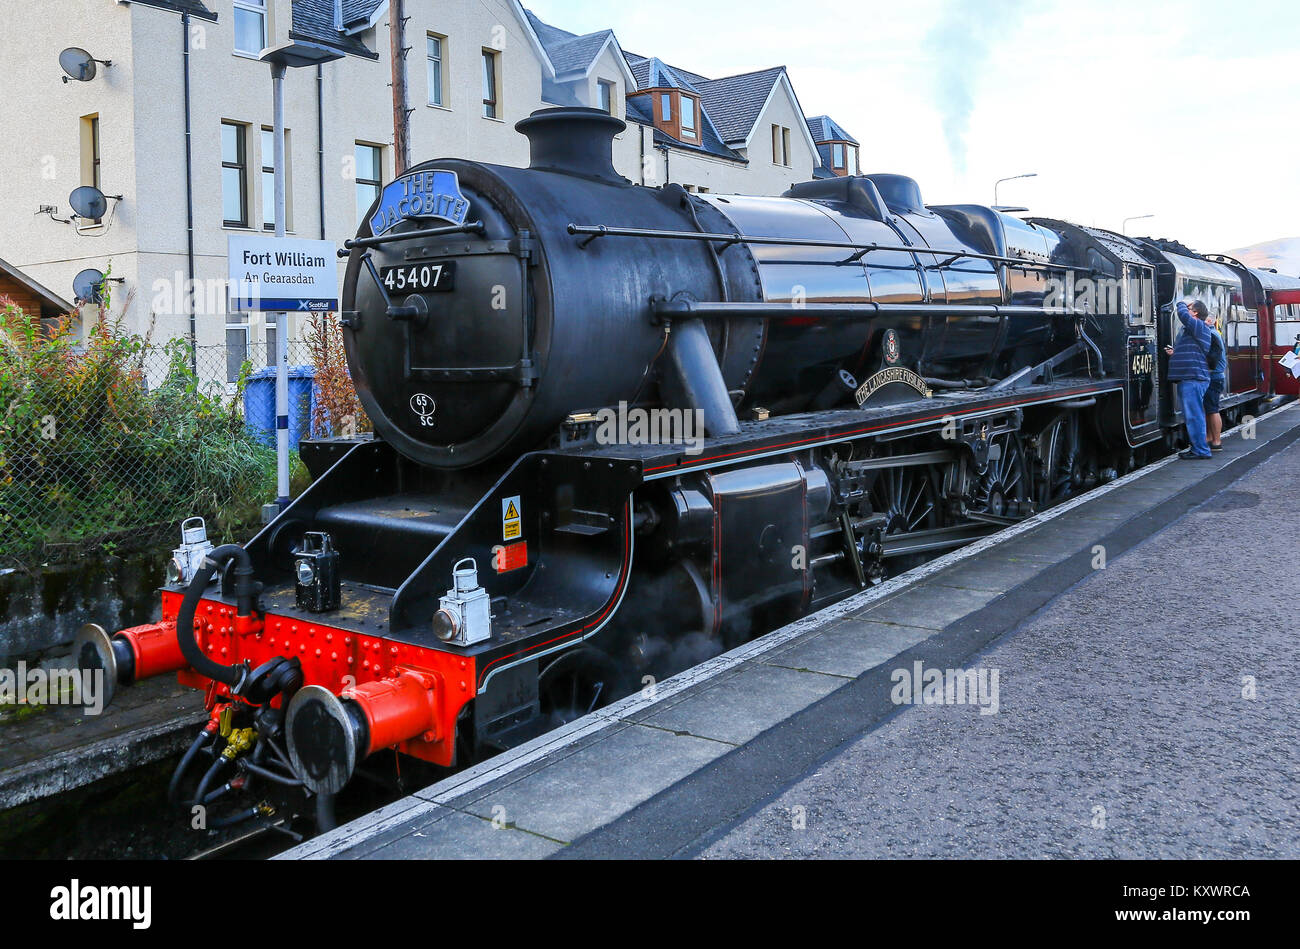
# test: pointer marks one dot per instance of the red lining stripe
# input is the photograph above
(609, 605)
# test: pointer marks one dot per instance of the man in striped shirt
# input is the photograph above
(1188, 370)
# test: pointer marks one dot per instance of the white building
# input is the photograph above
(193, 169)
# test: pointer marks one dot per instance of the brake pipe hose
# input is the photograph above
(174, 787)
(231, 675)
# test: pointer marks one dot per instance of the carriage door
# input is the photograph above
(1140, 306)
(1241, 337)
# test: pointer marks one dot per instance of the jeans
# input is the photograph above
(1192, 395)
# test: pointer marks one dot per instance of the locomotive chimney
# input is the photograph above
(575, 141)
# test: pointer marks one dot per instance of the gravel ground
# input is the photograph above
(1123, 730)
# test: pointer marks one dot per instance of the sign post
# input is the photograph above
(281, 319)
(282, 275)
(281, 58)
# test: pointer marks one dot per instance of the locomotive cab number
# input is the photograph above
(429, 277)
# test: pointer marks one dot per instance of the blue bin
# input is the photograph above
(259, 403)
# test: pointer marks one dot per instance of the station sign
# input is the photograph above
(282, 274)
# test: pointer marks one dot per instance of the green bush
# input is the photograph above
(93, 459)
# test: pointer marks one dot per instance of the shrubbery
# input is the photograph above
(92, 458)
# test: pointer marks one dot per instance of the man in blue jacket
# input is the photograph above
(1218, 366)
(1188, 370)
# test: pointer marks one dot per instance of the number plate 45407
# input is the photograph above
(428, 277)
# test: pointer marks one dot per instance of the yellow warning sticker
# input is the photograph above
(511, 518)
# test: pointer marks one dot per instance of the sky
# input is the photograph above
(1185, 110)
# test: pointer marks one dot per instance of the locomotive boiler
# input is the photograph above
(853, 381)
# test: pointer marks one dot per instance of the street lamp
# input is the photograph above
(1123, 228)
(281, 58)
(1032, 174)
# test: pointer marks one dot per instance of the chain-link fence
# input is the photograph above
(108, 443)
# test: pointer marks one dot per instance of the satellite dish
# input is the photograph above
(88, 202)
(79, 65)
(88, 286)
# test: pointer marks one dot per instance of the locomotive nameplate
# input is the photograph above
(426, 277)
(891, 380)
(419, 195)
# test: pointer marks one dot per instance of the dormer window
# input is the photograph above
(675, 112)
(844, 158)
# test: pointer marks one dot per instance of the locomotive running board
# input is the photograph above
(786, 434)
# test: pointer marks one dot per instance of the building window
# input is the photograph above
(837, 157)
(250, 26)
(780, 145)
(435, 67)
(268, 181)
(236, 346)
(234, 174)
(605, 89)
(666, 106)
(270, 339)
(370, 179)
(688, 117)
(90, 159)
(491, 84)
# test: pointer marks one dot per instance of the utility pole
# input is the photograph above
(401, 114)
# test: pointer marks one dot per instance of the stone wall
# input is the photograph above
(41, 611)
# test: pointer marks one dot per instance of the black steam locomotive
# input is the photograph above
(621, 428)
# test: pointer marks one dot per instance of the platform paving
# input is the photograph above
(1148, 712)
(58, 748)
(712, 761)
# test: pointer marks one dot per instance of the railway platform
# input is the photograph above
(59, 748)
(1128, 661)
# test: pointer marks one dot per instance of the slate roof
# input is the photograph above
(652, 73)
(730, 105)
(359, 11)
(825, 129)
(734, 102)
(567, 51)
(313, 21)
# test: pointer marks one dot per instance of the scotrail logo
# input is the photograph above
(921, 686)
(23, 686)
